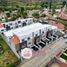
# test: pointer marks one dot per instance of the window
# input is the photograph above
(24, 44)
(28, 38)
(2, 30)
(29, 42)
(4, 25)
(7, 27)
(10, 23)
(19, 21)
(36, 35)
(11, 27)
(43, 32)
(26, 20)
(24, 23)
(22, 39)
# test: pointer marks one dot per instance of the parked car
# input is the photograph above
(65, 36)
(65, 40)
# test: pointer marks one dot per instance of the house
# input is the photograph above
(58, 10)
(62, 15)
(2, 15)
(15, 24)
(31, 36)
(57, 24)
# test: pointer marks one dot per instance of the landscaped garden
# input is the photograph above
(65, 52)
(7, 57)
(63, 57)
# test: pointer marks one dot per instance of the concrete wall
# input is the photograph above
(12, 46)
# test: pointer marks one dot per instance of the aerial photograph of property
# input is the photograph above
(33, 33)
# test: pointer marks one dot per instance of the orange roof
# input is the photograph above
(49, 16)
(66, 31)
(15, 40)
(59, 25)
(1, 25)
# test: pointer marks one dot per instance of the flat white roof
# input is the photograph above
(8, 33)
(21, 30)
(27, 30)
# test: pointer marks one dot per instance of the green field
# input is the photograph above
(64, 57)
(65, 52)
(7, 58)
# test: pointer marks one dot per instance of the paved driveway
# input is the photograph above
(45, 55)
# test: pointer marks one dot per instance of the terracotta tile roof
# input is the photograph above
(15, 40)
(59, 25)
(49, 16)
(66, 31)
(1, 25)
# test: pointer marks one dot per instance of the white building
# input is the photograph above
(15, 24)
(31, 36)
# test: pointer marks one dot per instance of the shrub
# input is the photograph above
(36, 15)
(10, 65)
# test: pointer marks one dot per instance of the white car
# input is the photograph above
(65, 36)
(65, 40)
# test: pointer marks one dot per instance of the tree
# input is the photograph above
(64, 3)
(43, 15)
(21, 10)
(3, 2)
(50, 4)
(36, 15)
(14, 17)
(53, 9)
(44, 5)
(25, 14)
(8, 14)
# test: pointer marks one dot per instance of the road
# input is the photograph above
(46, 54)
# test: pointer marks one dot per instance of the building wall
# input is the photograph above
(12, 46)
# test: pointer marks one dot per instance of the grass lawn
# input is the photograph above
(64, 57)
(65, 52)
(8, 56)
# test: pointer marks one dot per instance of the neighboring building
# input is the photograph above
(2, 15)
(62, 16)
(15, 24)
(57, 24)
